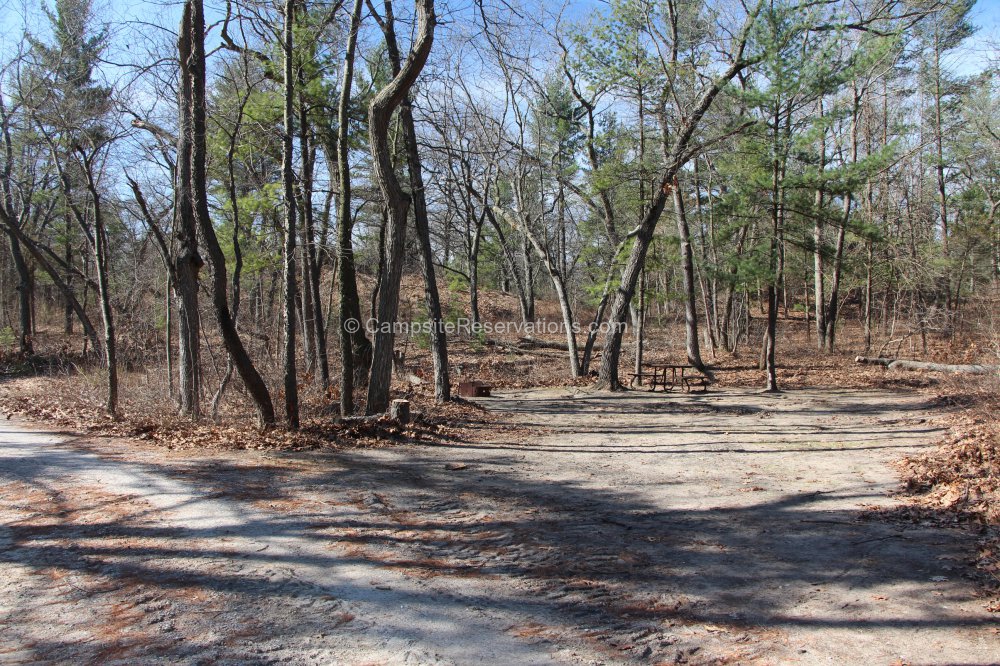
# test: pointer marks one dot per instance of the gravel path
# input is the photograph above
(636, 528)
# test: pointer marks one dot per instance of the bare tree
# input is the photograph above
(439, 342)
(187, 260)
(193, 23)
(288, 185)
(397, 201)
(353, 342)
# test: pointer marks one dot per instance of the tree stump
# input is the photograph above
(400, 410)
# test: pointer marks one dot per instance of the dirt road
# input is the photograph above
(725, 528)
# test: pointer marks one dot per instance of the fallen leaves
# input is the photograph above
(958, 483)
(61, 401)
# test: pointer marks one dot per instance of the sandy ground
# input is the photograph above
(637, 528)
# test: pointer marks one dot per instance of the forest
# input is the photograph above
(273, 172)
(261, 225)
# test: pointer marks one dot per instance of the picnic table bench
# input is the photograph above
(688, 376)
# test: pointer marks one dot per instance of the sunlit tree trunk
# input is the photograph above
(288, 184)
(432, 300)
(397, 204)
(195, 26)
(353, 352)
(687, 270)
(187, 261)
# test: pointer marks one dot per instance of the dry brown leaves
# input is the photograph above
(63, 402)
(958, 482)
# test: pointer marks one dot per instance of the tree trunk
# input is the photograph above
(869, 296)
(186, 268)
(639, 312)
(818, 263)
(90, 333)
(559, 286)
(68, 259)
(838, 259)
(168, 335)
(311, 264)
(101, 258)
(304, 299)
(187, 262)
(195, 26)
(510, 260)
(236, 283)
(770, 337)
(771, 334)
(774, 264)
(639, 321)
(397, 202)
(687, 267)
(608, 375)
(474, 274)
(567, 315)
(595, 325)
(288, 183)
(528, 313)
(24, 343)
(678, 156)
(432, 300)
(709, 287)
(833, 304)
(352, 354)
(939, 167)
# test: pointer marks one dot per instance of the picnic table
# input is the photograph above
(687, 376)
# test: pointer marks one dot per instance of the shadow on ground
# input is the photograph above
(622, 571)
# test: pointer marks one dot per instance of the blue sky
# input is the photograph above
(975, 54)
(972, 58)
